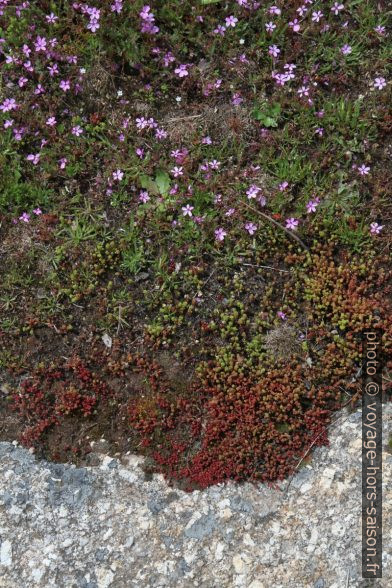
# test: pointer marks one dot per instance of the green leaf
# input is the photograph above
(148, 184)
(162, 182)
(210, 1)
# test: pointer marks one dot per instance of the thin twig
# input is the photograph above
(267, 267)
(272, 220)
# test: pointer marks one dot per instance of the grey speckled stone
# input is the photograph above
(106, 526)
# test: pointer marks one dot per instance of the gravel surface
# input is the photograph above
(107, 526)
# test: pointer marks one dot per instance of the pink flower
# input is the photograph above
(220, 30)
(37, 211)
(270, 26)
(303, 91)
(34, 158)
(363, 170)
(206, 140)
(283, 186)
(375, 228)
(141, 123)
(380, 83)
(236, 99)
(273, 50)
(144, 196)
(220, 234)
(51, 122)
(231, 21)
(281, 315)
(140, 152)
(346, 50)
(252, 191)
(40, 44)
(312, 205)
(117, 6)
(160, 134)
(118, 175)
(8, 104)
(25, 217)
(63, 162)
(51, 18)
(294, 24)
(380, 30)
(187, 210)
(65, 85)
(292, 223)
(77, 130)
(251, 228)
(53, 69)
(336, 8)
(181, 71)
(177, 171)
(317, 16)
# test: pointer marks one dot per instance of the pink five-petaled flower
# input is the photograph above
(40, 44)
(34, 158)
(65, 85)
(51, 18)
(25, 217)
(144, 196)
(118, 175)
(303, 91)
(8, 104)
(177, 171)
(181, 71)
(273, 50)
(220, 30)
(317, 16)
(77, 130)
(63, 162)
(312, 205)
(270, 26)
(51, 122)
(220, 234)
(292, 223)
(252, 191)
(294, 24)
(336, 8)
(375, 228)
(346, 49)
(363, 170)
(140, 152)
(231, 21)
(37, 211)
(281, 315)
(380, 30)
(53, 69)
(251, 228)
(283, 186)
(206, 140)
(379, 83)
(187, 210)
